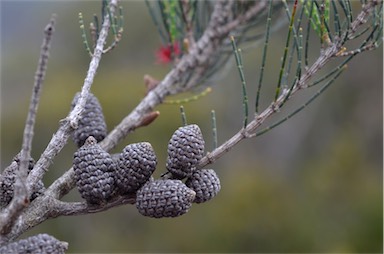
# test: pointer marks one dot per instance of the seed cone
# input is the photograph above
(92, 121)
(38, 244)
(185, 149)
(8, 178)
(205, 183)
(135, 166)
(164, 198)
(94, 172)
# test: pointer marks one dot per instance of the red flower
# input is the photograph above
(166, 54)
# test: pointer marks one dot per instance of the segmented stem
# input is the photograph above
(84, 35)
(239, 63)
(189, 99)
(183, 116)
(214, 130)
(313, 97)
(263, 61)
(285, 51)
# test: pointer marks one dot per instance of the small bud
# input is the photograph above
(135, 166)
(38, 244)
(164, 198)
(92, 121)
(185, 149)
(94, 172)
(205, 183)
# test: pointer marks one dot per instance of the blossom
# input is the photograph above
(166, 54)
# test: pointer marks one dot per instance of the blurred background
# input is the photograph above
(314, 184)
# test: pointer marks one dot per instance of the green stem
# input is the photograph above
(285, 51)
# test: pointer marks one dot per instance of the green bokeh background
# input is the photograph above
(314, 184)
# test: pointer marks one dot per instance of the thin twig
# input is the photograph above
(249, 131)
(81, 208)
(70, 122)
(214, 130)
(20, 192)
(263, 61)
(199, 54)
(67, 125)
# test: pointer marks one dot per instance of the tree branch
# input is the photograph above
(70, 122)
(59, 139)
(194, 63)
(20, 192)
(82, 208)
(332, 51)
(198, 58)
(250, 129)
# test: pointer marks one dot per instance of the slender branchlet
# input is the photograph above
(239, 63)
(309, 101)
(263, 61)
(214, 130)
(84, 35)
(21, 193)
(195, 97)
(183, 116)
(332, 49)
(62, 134)
(279, 82)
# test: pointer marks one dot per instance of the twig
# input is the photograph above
(197, 59)
(326, 55)
(198, 55)
(361, 18)
(81, 208)
(239, 63)
(70, 122)
(259, 119)
(20, 192)
(61, 136)
(263, 61)
(214, 129)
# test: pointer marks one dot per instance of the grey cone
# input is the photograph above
(185, 149)
(205, 183)
(38, 244)
(94, 172)
(91, 123)
(135, 166)
(8, 178)
(164, 198)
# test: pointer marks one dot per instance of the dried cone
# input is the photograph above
(185, 149)
(92, 121)
(38, 244)
(135, 166)
(94, 172)
(164, 198)
(8, 178)
(205, 183)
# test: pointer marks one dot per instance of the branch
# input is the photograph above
(198, 58)
(20, 192)
(361, 18)
(249, 130)
(194, 63)
(70, 122)
(82, 208)
(58, 141)
(334, 50)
